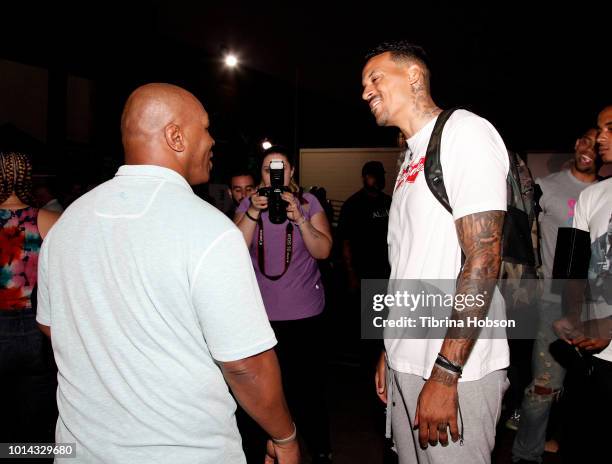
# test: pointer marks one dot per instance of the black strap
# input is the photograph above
(433, 167)
(572, 254)
(261, 250)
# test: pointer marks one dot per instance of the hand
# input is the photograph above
(436, 412)
(293, 208)
(594, 336)
(259, 202)
(288, 453)
(592, 344)
(380, 378)
(566, 329)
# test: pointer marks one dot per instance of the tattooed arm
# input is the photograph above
(480, 239)
(317, 236)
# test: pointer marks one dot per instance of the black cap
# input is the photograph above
(374, 168)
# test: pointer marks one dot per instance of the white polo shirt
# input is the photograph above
(422, 236)
(146, 286)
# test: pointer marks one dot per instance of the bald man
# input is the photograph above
(153, 308)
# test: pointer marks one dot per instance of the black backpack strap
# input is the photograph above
(433, 166)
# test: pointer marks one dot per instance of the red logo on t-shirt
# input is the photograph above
(410, 173)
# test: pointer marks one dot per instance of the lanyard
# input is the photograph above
(261, 250)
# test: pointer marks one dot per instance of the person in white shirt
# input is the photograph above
(153, 308)
(590, 332)
(557, 202)
(432, 377)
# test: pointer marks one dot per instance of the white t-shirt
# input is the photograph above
(593, 214)
(422, 236)
(146, 286)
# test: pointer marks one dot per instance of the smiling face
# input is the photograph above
(386, 88)
(604, 135)
(584, 157)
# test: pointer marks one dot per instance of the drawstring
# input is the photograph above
(462, 431)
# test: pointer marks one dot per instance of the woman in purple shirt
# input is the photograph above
(285, 261)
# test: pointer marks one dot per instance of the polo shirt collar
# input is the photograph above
(149, 170)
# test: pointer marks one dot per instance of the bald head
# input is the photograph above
(165, 125)
(152, 107)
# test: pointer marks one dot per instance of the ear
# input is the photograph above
(576, 144)
(174, 137)
(414, 73)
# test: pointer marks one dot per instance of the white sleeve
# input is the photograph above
(43, 307)
(228, 303)
(475, 165)
(580, 213)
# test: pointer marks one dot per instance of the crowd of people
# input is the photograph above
(144, 325)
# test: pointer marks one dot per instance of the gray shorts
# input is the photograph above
(480, 403)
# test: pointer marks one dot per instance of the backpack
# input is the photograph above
(520, 256)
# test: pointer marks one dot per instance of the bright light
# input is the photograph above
(231, 61)
(266, 144)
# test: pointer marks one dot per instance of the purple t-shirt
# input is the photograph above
(299, 293)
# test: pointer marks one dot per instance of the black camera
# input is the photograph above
(277, 207)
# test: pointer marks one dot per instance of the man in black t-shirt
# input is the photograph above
(362, 228)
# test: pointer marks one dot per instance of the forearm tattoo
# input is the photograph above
(480, 237)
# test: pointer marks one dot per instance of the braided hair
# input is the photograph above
(15, 176)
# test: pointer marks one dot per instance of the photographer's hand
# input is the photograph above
(258, 203)
(247, 221)
(294, 213)
(315, 231)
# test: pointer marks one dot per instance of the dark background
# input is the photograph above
(539, 72)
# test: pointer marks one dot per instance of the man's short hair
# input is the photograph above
(586, 130)
(239, 173)
(401, 51)
(373, 168)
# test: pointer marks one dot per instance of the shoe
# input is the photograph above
(513, 421)
(322, 459)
